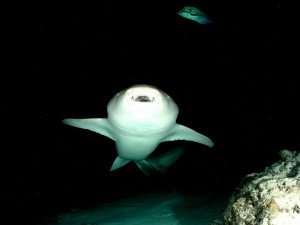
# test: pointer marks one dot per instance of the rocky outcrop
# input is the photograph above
(268, 198)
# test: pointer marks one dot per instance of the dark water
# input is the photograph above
(69, 60)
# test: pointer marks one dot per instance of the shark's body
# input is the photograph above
(194, 14)
(139, 119)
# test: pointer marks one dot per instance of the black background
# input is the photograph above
(229, 79)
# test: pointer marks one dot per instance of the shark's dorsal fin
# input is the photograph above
(119, 162)
(180, 132)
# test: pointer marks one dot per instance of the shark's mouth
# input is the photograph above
(143, 94)
(143, 98)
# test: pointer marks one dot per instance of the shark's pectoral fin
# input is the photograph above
(181, 132)
(98, 125)
(119, 162)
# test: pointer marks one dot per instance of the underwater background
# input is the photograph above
(229, 78)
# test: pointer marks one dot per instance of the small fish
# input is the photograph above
(194, 14)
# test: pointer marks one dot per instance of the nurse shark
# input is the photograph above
(139, 119)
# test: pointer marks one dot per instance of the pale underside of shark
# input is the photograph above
(139, 119)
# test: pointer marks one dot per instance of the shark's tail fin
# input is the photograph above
(160, 162)
(145, 167)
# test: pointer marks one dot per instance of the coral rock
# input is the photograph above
(268, 198)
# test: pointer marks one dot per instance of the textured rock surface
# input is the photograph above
(268, 198)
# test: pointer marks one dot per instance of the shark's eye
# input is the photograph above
(142, 98)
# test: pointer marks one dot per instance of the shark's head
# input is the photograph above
(142, 108)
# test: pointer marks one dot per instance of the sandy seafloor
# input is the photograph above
(156, 207)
